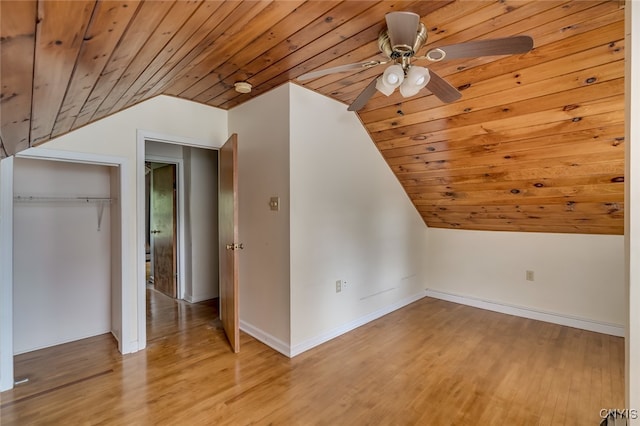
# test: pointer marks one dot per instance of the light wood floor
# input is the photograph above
(431, 363)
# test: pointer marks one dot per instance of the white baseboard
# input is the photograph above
(266, 338)
(318, 340)
(115, 336)
(63, 341)
(520, 311)
(199, 298)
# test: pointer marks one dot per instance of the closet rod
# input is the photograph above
(22, 198)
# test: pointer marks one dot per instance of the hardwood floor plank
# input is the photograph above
(444, 364)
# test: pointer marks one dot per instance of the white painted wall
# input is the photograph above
(62, 261)
(575, 275)
(162, 149)
(632, 205)
(262, 125)
(116, 136)
(201, 205)
(350, 220)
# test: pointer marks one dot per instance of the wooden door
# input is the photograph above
(229, 244)
(163, 229)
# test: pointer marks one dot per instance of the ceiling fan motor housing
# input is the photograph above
(404, 35)
(402, 50)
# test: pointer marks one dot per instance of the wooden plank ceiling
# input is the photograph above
(535, 144)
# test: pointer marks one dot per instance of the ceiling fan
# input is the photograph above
(400, 41)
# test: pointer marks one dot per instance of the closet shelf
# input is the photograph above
(26, 199)
(100, 201)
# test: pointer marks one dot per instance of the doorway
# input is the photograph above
(181, 231)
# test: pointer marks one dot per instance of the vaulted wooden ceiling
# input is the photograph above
(536, 143)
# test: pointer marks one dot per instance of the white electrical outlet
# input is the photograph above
(529, 275)
(338, 286)
(344, 284)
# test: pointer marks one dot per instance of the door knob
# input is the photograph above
(155, 231)
(235, 246)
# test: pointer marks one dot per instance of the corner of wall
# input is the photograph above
(262, 125)
(351, 221)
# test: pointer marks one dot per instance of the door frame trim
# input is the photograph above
(6, 274)
(141, 137)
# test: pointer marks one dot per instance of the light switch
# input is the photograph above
(274, 203)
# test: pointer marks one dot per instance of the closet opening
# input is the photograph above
(67, 263)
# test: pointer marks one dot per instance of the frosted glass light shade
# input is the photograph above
(390, 79)
(417, 78)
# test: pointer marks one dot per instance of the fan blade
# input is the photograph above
(341, 68)
(498, 46)
(364, 96)
(402, 28)
(442, 89)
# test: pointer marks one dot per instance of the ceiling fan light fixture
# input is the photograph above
(392, 77)
(403, 37)
(243, 87)
(416, 79)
